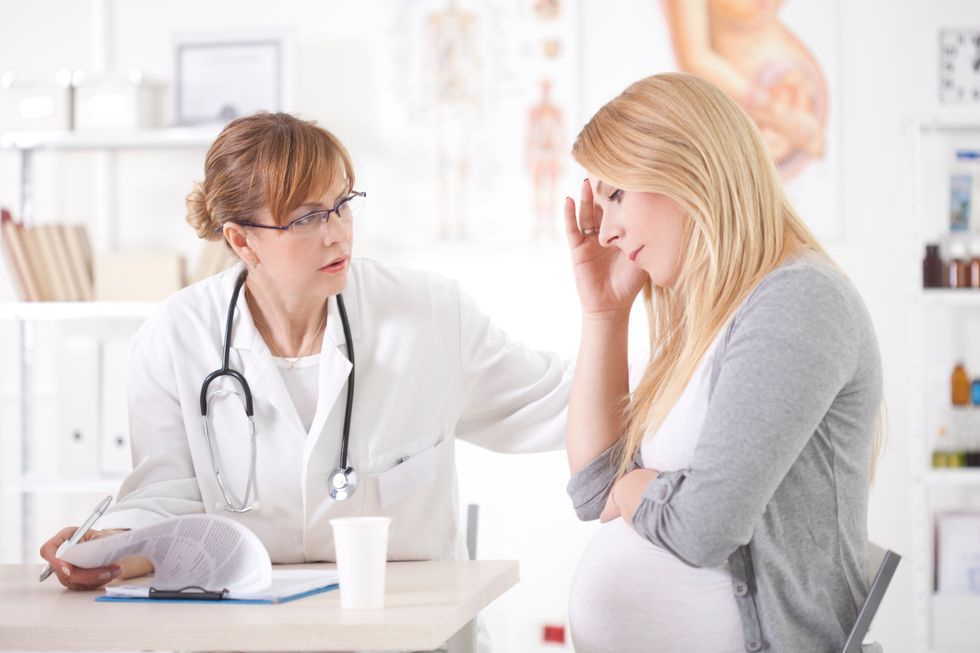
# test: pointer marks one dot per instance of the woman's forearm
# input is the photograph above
(600, 385)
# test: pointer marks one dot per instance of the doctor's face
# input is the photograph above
(312, 263)
(647, 227)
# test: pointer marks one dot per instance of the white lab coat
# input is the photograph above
(430, 368)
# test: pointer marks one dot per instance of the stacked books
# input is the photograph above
(51, 262)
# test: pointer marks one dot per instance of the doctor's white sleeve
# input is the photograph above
(162, 483)
(516, 398)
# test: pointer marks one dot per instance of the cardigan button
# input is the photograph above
(662, 493)
(742, 589)
(753, 645)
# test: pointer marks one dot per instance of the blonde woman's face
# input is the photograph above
(647, 227)
(314, 264)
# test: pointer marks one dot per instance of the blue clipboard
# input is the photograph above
(198, 595)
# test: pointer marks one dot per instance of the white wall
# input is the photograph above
(888, 75)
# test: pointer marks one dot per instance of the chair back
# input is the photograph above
(881, 567)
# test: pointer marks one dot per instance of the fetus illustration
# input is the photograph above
(544, 153)
(547, 9)
(742, 47)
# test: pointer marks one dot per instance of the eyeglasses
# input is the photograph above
(306, 225)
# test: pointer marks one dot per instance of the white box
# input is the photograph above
(118, 103)
(35, 106)
(137, 276)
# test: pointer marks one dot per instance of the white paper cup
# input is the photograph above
(362, 552)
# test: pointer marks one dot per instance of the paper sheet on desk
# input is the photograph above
(208, 551)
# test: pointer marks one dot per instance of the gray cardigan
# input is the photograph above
(778, 484)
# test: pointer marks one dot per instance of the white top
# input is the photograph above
(631, 595)
(301, 377)
(672, 446)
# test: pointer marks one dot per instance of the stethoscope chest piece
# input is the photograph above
(343, 482)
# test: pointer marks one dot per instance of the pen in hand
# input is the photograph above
(80, 533)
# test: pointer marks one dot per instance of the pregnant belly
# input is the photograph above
(630, 595)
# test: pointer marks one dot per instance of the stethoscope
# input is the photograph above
(343, 480)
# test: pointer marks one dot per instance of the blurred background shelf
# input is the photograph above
(950, 297)
(109, 140)
(76, 310)
(949, 477)
(60, 486)
(945, 125)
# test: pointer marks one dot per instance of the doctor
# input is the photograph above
(361, 376)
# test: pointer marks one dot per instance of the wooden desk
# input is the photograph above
(426, 603)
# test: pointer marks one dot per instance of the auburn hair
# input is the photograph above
(272, 161)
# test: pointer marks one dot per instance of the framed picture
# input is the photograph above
(221, 76)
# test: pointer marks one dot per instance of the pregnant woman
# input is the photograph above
(732, 474)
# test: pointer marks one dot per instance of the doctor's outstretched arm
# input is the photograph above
(515, 398)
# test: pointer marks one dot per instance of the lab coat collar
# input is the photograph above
(244, 333)
(265, 379)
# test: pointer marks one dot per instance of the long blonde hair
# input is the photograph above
(680, 136)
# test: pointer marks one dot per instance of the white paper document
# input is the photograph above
(209, 552)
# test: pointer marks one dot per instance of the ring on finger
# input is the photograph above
(589, 231)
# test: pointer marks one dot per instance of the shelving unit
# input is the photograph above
(953, 477)
(945, 623)
(29, 142)
(27, 315)
(30, 485)
(75, 310)
(950, 298)
(101, 140)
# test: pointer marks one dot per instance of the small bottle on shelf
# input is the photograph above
(933, 268)
(973, 267)
(960, 385)
(956, 267)
(959, 417)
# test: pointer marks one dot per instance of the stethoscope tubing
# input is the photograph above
(225, 370)
(350, 381)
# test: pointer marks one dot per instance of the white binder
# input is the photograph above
(77, 440)
(114, 450)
